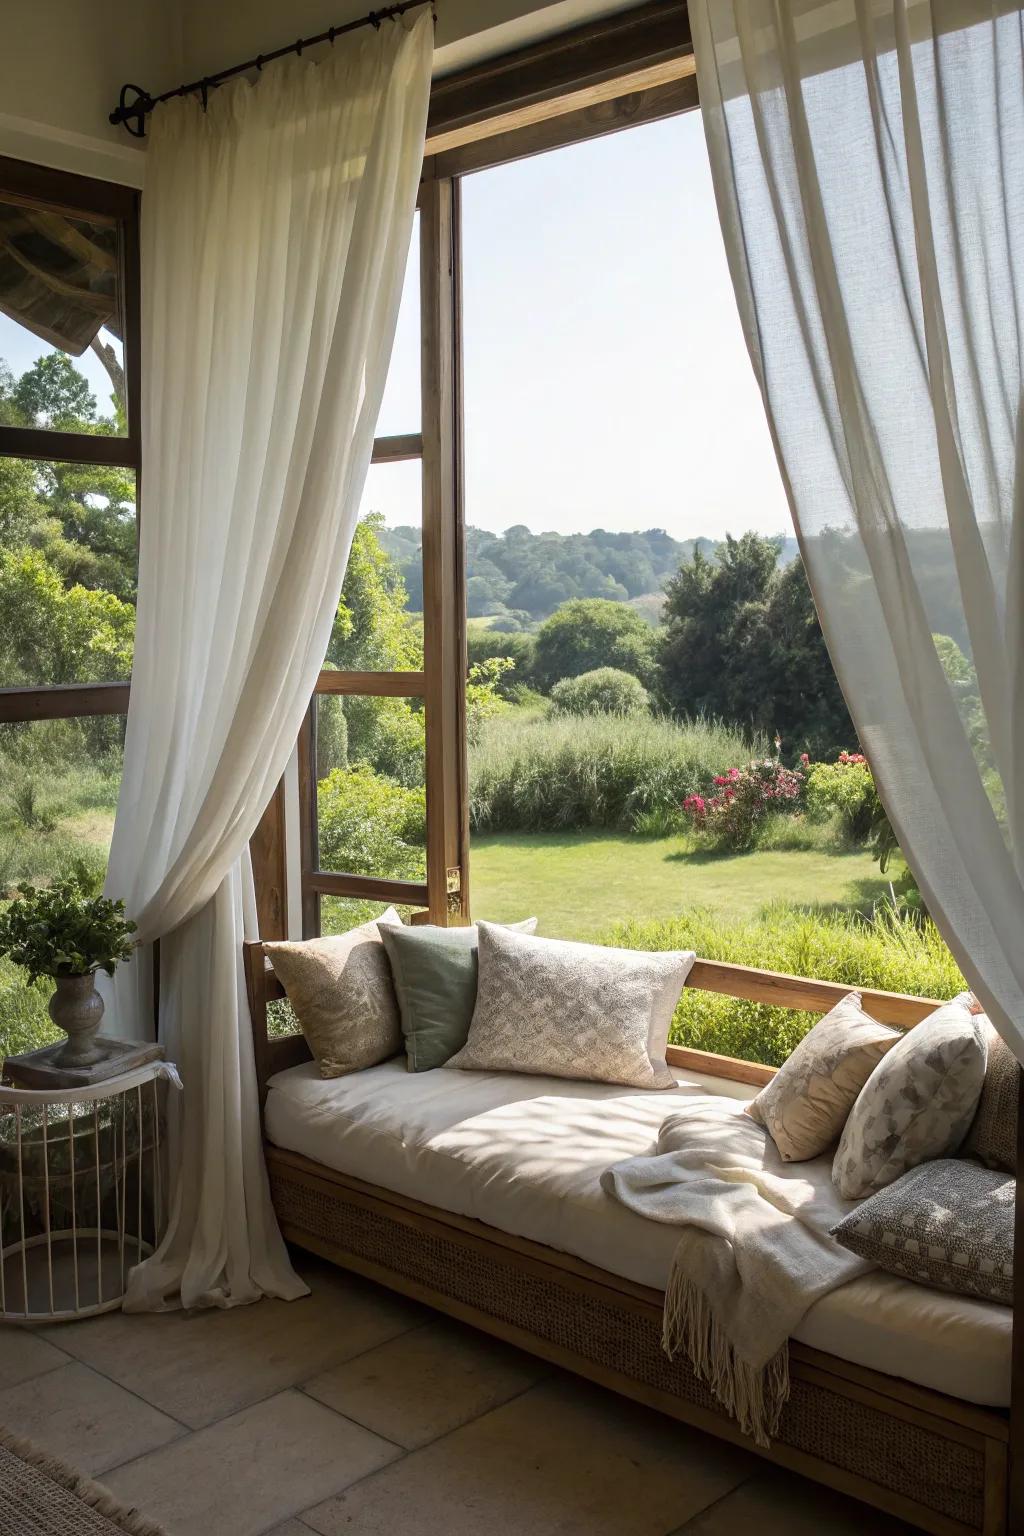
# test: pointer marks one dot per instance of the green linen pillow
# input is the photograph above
(434, 971)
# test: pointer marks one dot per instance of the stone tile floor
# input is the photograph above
(356, 1411)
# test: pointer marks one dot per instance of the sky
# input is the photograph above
(20, 349)
(607, 383)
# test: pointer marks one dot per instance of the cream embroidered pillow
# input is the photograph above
(573, 1010)
(917, 1104)
(343, 997)
(804, 1107)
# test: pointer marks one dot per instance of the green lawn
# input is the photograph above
(580, 884)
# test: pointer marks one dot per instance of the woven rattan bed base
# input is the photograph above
(934, 1470)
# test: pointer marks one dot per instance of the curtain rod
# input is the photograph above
(132, 110)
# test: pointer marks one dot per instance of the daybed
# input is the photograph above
(478, 1193)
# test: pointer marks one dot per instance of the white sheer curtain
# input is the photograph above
(275, 232)
(868, 160)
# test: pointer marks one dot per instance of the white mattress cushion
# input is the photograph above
(525, 1155)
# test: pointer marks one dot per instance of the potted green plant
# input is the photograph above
(64, 931)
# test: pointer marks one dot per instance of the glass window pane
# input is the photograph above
(61, 343)
(379, 625)
(60, 781)
(659, 752)
(400, 407)
(68, 567)
(371, 801)
(339, 914)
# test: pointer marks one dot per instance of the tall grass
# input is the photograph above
(887, 949)
(25, 1023)
(563, 773)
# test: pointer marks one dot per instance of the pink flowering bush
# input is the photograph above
(743, 797)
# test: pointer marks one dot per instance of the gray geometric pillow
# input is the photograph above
(992, 1138)
(917, 1104)
(947, 1224)
(573, 1010)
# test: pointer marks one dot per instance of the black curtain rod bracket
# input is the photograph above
(135, 104)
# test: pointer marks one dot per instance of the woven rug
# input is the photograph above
(39, 1496)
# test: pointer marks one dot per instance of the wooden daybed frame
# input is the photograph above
(937, 1462)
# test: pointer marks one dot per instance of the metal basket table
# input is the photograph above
(83, 1188)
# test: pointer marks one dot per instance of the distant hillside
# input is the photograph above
(522, 577)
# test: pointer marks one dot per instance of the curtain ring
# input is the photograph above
(374, 21)
(330, 35)
(204, 92)
(298, 47)
(259, 62)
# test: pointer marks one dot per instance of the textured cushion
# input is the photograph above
(434, 971)
(948, 1223)
(573, 1010)
(341, 991)
(917, 1104)
(992, 1138)
(804, 1107)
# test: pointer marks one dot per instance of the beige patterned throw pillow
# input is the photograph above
(343, 997)
(992, 1138)
(573, 1010)
(804, 1107)
(917, 1104)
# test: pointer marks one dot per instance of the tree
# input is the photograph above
(372, 631)
(589, 633)
(742, 641)
(55, 634)
(54, 394)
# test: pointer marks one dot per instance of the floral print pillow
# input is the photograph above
(917, 1104)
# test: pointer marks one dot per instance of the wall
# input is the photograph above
(467, 30)
(63, 62)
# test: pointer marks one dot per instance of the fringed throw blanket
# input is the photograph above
(753, 1256)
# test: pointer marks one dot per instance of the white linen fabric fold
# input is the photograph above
(868, 162)
(275, 231)
(754, 1253)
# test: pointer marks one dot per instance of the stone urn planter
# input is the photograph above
(77, 1008)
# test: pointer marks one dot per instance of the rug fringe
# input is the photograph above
(94, 1494)
(753, 1396)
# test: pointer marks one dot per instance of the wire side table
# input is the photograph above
(82, 1192)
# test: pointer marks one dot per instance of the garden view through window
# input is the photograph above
(659, 753)
(68, 545)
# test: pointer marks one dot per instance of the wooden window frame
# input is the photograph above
(100, 201)
(616, 73)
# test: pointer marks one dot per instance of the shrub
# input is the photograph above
(386, 735)
(732, 817)
(575, 771)
(606, 690)
(592, 632)
(482, 644)
(370, 825)
(845, 790)
(483, 693)
(889, 949)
